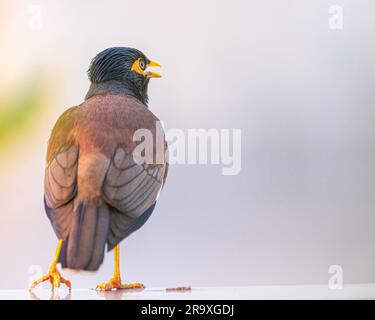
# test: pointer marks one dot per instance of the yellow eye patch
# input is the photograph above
(137, 68)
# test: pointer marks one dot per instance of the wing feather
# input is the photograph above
(131, 190)
(61, 177)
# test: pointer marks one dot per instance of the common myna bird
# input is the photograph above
(95, 192)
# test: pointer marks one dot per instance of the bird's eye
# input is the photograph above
(142, 64)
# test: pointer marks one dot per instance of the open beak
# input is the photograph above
(152, 74)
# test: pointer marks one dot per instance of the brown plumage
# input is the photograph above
(94, 191)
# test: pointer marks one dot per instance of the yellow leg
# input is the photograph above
(53, 274)
(115, 281)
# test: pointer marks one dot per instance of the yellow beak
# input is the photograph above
(154, 64)
(152, 74)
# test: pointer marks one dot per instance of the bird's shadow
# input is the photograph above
(116, 294)
(54, 296)
(107, 295)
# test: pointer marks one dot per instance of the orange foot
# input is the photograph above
(115, 283)
(54, 278)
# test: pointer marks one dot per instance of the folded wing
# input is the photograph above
(131, 189)
(60, 187)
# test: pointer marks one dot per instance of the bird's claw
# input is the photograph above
(54, 278)
(116, 284)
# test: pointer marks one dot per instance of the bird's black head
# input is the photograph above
(126, 66)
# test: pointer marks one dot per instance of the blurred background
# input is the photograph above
(302, 94)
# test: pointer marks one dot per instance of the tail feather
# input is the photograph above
(102, 229)
(84, 247)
